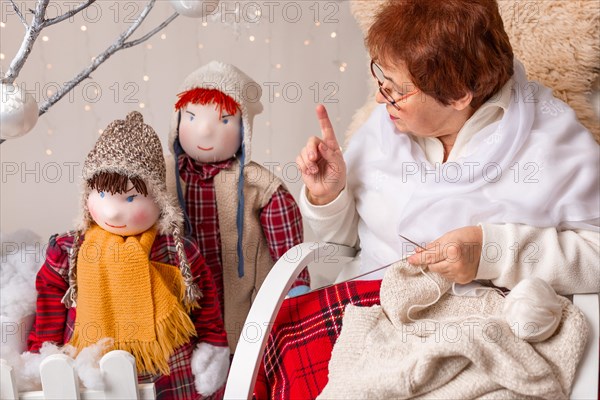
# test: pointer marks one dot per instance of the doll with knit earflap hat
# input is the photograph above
(128, 273)
(240, 213)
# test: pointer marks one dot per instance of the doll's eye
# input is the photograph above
(130, 198)
(191, 118)
(101, 195)
(225, 121)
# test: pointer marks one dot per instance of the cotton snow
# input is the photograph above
(21, 256)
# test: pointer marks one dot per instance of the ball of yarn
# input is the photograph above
(532, 310)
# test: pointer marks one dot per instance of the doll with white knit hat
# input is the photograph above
(240, 213)
(128, 273)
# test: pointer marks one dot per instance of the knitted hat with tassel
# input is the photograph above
(131, 148)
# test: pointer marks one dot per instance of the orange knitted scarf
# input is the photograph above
(125, 296)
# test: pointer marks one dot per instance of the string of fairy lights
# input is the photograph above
(249, 32)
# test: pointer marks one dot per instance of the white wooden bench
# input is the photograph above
(60, 381)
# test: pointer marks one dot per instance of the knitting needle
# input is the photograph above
(411, 242)
(349, 279)
(377, 269)
(366, 273)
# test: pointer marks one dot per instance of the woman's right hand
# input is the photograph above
(322, 164)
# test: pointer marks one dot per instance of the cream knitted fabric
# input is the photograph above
(462, 356)
(408, 290)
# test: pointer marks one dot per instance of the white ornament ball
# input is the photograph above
(195, 8)
(18, 112)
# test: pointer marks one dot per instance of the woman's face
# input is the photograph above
(125, 214)
(419, 114)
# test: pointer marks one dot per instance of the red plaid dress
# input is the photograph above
(296, 359)
(54, 323)
(280, 218)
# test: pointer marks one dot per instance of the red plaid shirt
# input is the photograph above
(54, 323)
(280, 218)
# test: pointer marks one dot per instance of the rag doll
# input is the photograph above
(127, 274)
(240, 213)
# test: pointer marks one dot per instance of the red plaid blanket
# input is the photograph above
(295, 364)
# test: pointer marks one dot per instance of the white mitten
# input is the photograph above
(210, 365)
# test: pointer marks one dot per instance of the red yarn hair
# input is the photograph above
(450, 47)
(207, 96)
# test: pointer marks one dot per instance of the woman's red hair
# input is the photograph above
(450, 47)
(207, 96)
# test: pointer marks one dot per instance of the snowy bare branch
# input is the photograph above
(39, 22)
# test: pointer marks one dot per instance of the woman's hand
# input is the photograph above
(455, 255)
(322, 164)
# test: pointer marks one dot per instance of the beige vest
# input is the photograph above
(259, 186)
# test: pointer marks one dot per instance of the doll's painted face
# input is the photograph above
(208, 135)
(126, 214)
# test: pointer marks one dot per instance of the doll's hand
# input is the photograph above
(209, 366)
(455, 255)
(322, 164)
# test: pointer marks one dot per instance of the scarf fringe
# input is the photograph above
(152, 357)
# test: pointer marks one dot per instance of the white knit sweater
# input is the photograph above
(569, 257)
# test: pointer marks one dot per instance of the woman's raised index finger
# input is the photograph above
(325, 124)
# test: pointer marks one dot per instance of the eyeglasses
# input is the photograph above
(386, 93)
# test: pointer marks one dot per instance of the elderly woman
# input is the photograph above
(464, 156)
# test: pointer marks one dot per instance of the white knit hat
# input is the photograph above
(231, 81)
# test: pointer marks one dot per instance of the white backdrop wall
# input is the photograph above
(301, 52)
